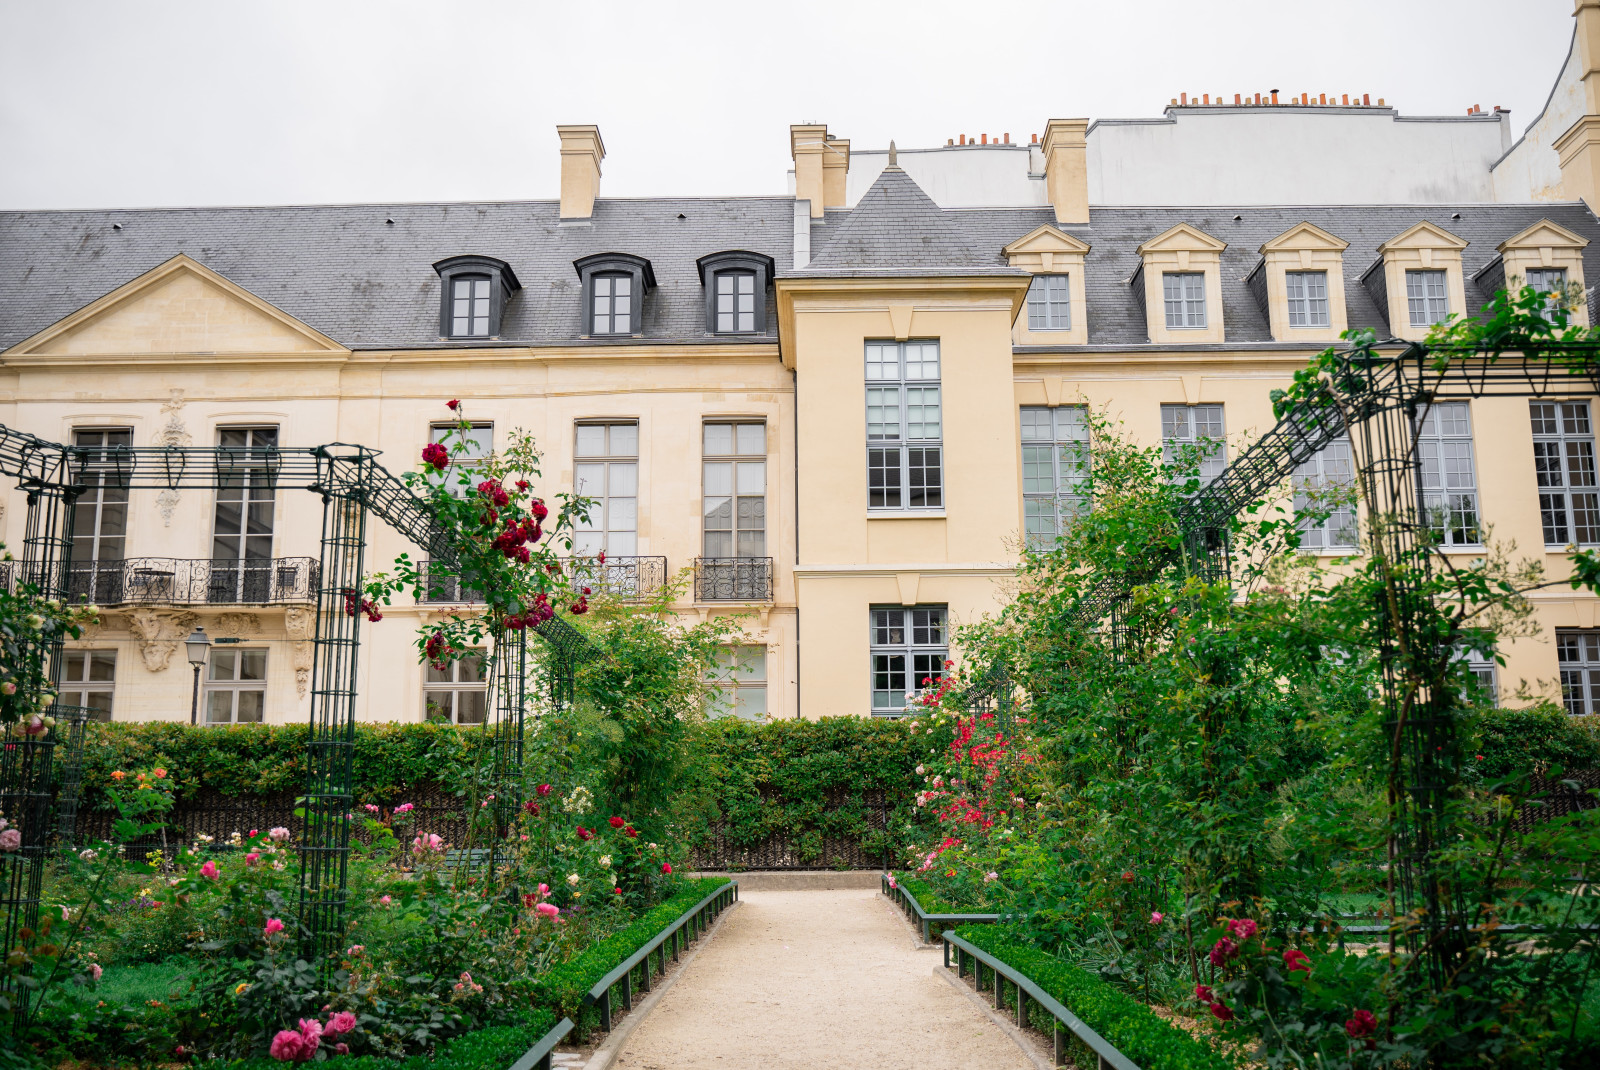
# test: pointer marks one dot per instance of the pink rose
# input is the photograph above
(209, 871)
(666, 867)
(311, 1033)
(544, 890)
(288, 1047)
(342, 1048)
(1223, 950)
(1155, 917)
(10, 840)
(252, 858)
(95, 971)
(355, 949)
(339, 1024)
(549, 910)
(384, 900)
(273, 926)
(1242, 928)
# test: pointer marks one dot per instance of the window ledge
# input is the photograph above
(905, 514)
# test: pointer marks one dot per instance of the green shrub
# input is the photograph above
(1536, 737)
(1133, 1028)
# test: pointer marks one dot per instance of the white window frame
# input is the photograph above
(1330, 471)
(905, 427)
(1050, 303)
(1565, 469)
(1307, 306)
(744, 505)
(1449, 474)
(1551, 281)
(1181, 425)
(454, 687)
(1183, 294)
(1055, 465)
(471, 298)
(740, 679)
(922, 643)
(613, 524)
(79, 688)
(98, 554)
(1578, 653)
(1425, 305)
(233, 686)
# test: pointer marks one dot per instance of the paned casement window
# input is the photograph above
(457, 693)
(735, 283)
(606, 470)
(1308, 298)
(1563, 463)
(475, 290)
(241, 529)
(1199, 426)
(480, 446)
(909, 651)
(905, 429)
(1055, 465)
(88, 679)
(1449, 478)
(734, 463)
(1483, 669)
(1184, 293)
(740, 677)
(1578, 652)
(614, 286)
(1552, 281)
(1049, 303)
(1326, 483)
(1427, 297)
(100, 520)
(236, 686)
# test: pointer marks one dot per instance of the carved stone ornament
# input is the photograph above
(159, 632)
(236, 625)
(174, 433)
(300, 625)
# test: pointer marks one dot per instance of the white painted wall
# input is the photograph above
(1532, 170)
(959, 176)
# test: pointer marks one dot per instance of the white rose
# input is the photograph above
(605, 860)
(920, 770)
(573, 879)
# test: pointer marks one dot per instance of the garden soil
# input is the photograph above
(816, 979)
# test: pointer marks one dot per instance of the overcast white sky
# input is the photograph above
(120, 104)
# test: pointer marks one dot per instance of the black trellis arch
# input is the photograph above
(354, 488)
(1377, 393)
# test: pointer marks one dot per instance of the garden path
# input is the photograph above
(816, 979)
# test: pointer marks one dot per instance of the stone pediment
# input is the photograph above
(1423, 235)
(181, 307)
(1305, 236)
(1544, 234)
(1183, 238)
(1046, 239)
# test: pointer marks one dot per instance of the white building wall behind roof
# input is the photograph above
(1532, 170)
(958, 176)
(1294, 155)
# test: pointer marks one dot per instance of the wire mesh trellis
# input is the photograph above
(353, 486)
(1378, 396)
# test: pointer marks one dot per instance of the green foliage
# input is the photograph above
(1130, 1026)
(1538, 737)
(29, 627)
(492, 1048)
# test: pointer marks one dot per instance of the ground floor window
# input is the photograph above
(740, 675)
(1579, 655)
(456, 693)
(236, 686)
(909, 649)
(88, 679)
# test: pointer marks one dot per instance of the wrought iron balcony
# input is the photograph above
(619, 577)
(172, 581)
(733, 579)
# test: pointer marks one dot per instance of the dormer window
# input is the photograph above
(614, 286)
(735, 285)
(474, 291)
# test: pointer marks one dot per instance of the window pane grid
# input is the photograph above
(1308, 298)
(1426, 298)
(606, 470)
(1564, 468)
(736, 302)
(1578, 653)
(905, 426)
(734, 503)
(1199, 425)
(469, 311)
(740, 676)
(908, 652)
(242, 522)
(1449, 480)
(1055, 464)
(613, 304)
(1552, 281)
(1049, 304)
(236, 686)
(89, 680)
(456, 692)
(1326, 483)
(1184, 294)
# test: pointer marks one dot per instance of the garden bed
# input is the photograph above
(921, 908)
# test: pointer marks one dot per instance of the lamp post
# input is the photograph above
(199, 647)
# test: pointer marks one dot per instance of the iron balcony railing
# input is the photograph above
(174, 581)
(619, 577)
(733, 579)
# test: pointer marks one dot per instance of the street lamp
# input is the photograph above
(199, 648)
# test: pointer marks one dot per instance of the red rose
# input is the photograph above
(617, 890)
(543, 789)
(617, 822)
(531, 807)
(583, 833)
(631, 832)
(538, 509)
(452, 404)
(1296, 960)
(1222, 951)
(1222, 1012)
(1127, 874)
(1203, 993)
(1361, 1024)
(435, 455)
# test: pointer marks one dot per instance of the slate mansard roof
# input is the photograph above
(370, 284)
(896, 230)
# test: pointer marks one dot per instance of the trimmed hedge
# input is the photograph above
(563, 987)
(496, 1047)
(1132, 1027)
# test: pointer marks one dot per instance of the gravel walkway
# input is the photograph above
(816, 979)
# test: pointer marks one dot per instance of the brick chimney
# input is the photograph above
(1066, 168)
(808, 144)
(1579, 148)
(581, 153)
(835, 166)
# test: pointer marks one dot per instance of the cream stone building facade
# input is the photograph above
(839, 414)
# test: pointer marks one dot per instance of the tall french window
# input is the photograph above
(905, 431)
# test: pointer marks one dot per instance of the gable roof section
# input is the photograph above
(896, 229)
(178, 307)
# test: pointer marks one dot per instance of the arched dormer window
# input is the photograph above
(614, 286)
(735, 285)
(473, 295)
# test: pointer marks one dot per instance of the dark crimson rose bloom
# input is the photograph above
(453, 404)
(543, 789)
(617, 822)
(532, 807)
(1223, 1012)
(631, 832)
(538, 509)
(1361, 1024)
(435, 455)
(583, 833)
(1296, 959)
(1203, 993)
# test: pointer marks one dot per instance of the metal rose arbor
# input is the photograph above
(38, 774)
(1378, 394)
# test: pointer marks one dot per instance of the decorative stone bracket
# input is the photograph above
(159, 631)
